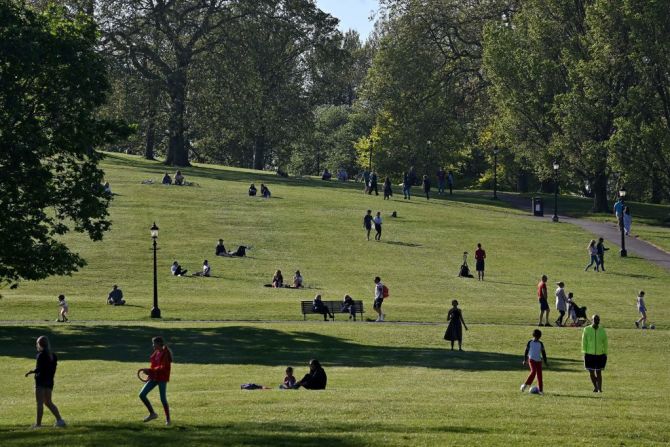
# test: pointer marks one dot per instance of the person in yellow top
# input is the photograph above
(594, 347)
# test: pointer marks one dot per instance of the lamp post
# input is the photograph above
(555, 218)
(155, 311)
(495, 173)
(623, 252)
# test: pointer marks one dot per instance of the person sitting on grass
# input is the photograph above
(348, 306)
(289, 380)
(115, 297)
(326, 175)
(277, 280)
(297, 280)
(265, 191)
(167, 180)
(206, 270)
(319, 307)
(178, 178)
(252, 190)
(315, 379)
(220, 249)
(177, 270)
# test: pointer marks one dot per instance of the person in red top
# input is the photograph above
(480, 255)
(159, 376)
(542, 298)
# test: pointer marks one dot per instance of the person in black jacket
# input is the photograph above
(44, 372)
(316, 379)
(319, 307)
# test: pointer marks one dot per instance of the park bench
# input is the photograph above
(334, 307)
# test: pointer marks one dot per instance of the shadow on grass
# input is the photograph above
(244, 345)
(631, 275)
(322, 433)
(404, 244)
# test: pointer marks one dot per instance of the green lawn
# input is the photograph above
(389, 384)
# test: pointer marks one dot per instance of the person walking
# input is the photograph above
(45, 370)
(454, 329)
(561, 302)
(542, 299)
(378, 226)
(627, 220)
(388, 190)
(426, 186)
(159, 376)
(600, 250)
(480, 256)
(533, 356)
(593, 253)
(642, 309)
(373, 184)
(406, 186)
(441, 181)
(594, 348)
(618, 209)
(450, 182)
(379, 299)
(366, 181)
(367, 223)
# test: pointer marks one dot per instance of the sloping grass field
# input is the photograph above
(393, 383)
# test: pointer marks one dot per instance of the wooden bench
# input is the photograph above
(334, 307)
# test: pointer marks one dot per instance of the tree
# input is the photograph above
(52, 81)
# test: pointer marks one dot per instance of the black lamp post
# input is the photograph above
(155, 311)
(495, 173)
(555, 218)
(623, 252)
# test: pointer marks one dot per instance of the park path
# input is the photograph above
(608, 231)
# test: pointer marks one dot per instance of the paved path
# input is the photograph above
(609, 231)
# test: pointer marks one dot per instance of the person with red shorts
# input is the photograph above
(533, 357)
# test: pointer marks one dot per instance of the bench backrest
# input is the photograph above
(334, 306)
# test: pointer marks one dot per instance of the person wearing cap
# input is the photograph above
(561, 302)
(115, 297)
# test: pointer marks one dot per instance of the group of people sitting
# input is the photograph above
(220, 250)
(347, 306)
(278, 281)
(265, 192)
(178, 179)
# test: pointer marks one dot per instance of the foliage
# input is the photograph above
(52, 82)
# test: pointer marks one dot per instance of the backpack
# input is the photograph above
(385, 292)
(465, 271)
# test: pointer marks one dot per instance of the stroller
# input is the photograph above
(577, 314)
(464, 272)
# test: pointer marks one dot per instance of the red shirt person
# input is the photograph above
(159, 376)
(542, 299)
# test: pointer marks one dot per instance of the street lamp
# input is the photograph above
(495, 173)
(555, 218)
(155, 311)
(623, 252)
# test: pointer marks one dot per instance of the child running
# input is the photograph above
(64, 309)
(533, 356)
(642, 308)
(159, 376)
(289, 380)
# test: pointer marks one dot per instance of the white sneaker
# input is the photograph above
(168, 423)
(60, 423)
(151, 417)
(35, 427)
(523, 387)
(378, 320)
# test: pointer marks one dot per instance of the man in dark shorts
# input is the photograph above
(480, 255)
(594, 348)
(542, 298)
(367, 222)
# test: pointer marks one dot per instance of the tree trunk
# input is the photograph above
(151, 138)
(599, 188)
(259, 152)
(177, 154)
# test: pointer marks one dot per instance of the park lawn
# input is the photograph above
(389, 384)
(316, 227)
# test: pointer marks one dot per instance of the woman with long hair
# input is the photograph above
(44, 372)
(159, 376)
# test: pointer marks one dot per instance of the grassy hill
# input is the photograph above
(389, 384)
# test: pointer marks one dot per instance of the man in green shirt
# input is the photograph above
(594, 347)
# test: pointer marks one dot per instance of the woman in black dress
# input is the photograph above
(454, 330)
